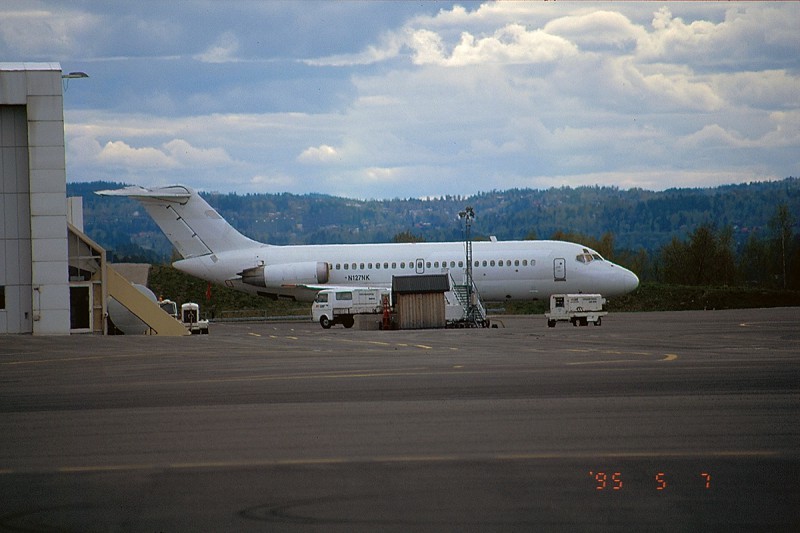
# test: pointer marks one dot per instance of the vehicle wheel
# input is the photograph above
(348, 321)
(584, 321)
(325, 322)
(551, 323)
(598, 321)
(574, 322)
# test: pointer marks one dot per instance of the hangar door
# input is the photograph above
(16, 307)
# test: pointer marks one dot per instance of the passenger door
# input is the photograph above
(559, 269)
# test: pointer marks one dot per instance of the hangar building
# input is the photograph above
(34, 285)
(54, 280)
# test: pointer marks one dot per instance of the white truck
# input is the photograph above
(190, 316)
(580, 309)
(339, 306)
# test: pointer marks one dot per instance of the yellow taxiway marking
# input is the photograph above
(383, 343)
(443, 458)
(38, 361)
(667, 357)
(319, 375)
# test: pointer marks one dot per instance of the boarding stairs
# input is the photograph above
(473, 314)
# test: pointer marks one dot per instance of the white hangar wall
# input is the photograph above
(34, 284)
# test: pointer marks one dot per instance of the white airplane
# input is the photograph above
(213, 250)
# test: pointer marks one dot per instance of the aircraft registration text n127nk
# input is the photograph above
(213, 250)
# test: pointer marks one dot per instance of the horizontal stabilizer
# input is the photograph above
(192, 226)
(176, 193)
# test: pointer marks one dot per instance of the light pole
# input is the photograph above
(71, 76)
(468, 214)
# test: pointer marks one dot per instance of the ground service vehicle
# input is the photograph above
(190, 316)
(339, 306)
(169, 307)
(580, 309)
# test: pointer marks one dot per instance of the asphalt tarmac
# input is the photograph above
(653, 421)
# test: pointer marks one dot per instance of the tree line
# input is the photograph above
(722, 235)
(708, 256)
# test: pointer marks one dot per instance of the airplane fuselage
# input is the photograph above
(501, 270)
(215, 251)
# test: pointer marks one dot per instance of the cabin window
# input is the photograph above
(377, 265)
(516, 262)
(484, 262)
(369, 266)
(338, 266)
(427, 264)
(355, 266)
(524, 262)
(533, 262)
(386, 265)
(436, 264)
(346, 266)
(362, 266)
(394, 265)
(402, 264)
(491, 263)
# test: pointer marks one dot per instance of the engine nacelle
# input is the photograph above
(309, 272)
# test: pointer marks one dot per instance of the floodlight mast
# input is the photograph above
(468, 214)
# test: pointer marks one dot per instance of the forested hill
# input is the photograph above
(636, 219)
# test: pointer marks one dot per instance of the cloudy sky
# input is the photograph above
(410, 99)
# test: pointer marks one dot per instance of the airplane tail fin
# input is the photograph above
(192, 226)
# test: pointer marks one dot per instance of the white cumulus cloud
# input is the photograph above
(176, 153)
(319, 154)
(119, 153)
(222, 51)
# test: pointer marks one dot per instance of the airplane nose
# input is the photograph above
(630, 281)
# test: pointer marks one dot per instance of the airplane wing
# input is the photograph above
(336, 287)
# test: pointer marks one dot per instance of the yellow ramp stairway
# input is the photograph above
(140, 305)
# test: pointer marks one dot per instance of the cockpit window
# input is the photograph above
(588, 257)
